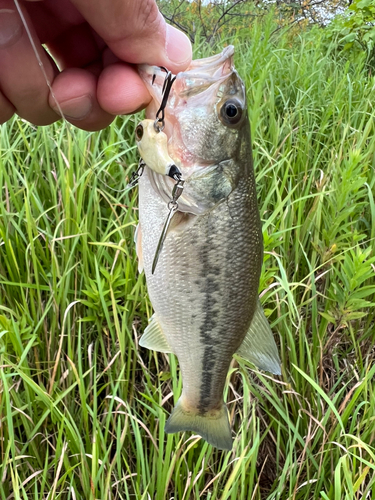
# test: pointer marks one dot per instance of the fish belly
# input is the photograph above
(205, 287)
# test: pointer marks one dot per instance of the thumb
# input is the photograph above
(137, 33)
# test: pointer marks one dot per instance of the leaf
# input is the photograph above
(364, 3)
(364, 292)
(86, 303)
(354, 315)
(328, 317)
(348, 46)
(349, 38)
(88, 319)
(369, 36)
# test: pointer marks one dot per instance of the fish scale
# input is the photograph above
(204, 290)
(198, 290)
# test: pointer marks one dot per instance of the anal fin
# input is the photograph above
(153, 337)
(259, 346)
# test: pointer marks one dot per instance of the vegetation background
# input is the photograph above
(82, 408)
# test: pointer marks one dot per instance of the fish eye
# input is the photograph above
(139, 132)
(231, 112)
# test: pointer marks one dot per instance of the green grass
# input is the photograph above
(82, 409)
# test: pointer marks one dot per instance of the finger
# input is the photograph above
(75, 92)
(121, 90)
(136, 32)
(21, 79)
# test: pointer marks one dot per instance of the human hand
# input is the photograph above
(95, 43)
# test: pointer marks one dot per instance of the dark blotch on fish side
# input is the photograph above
(207, 376)
(209, 273)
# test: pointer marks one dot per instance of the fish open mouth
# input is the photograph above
(197, 87)
(210, 67)
(200, 75)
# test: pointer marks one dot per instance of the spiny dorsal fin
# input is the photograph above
(259, 346)
(153, 337)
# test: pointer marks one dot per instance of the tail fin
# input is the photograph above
(213, 426)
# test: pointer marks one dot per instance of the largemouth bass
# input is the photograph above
(205, 288)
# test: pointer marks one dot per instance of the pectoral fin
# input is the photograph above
(154, 338)
(259, 346)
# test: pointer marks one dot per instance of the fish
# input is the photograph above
(204, 290)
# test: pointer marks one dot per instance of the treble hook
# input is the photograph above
(167, 86)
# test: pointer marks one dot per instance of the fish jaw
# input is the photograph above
(204, 71)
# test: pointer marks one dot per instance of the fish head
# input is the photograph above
(206, 124)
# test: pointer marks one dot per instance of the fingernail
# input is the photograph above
(10, 27)
(178, 46)
(77, 108)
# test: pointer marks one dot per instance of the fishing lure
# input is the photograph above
(152, 145)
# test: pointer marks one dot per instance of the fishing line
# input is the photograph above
(158, 123)
(49, 85)
(40, 62)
